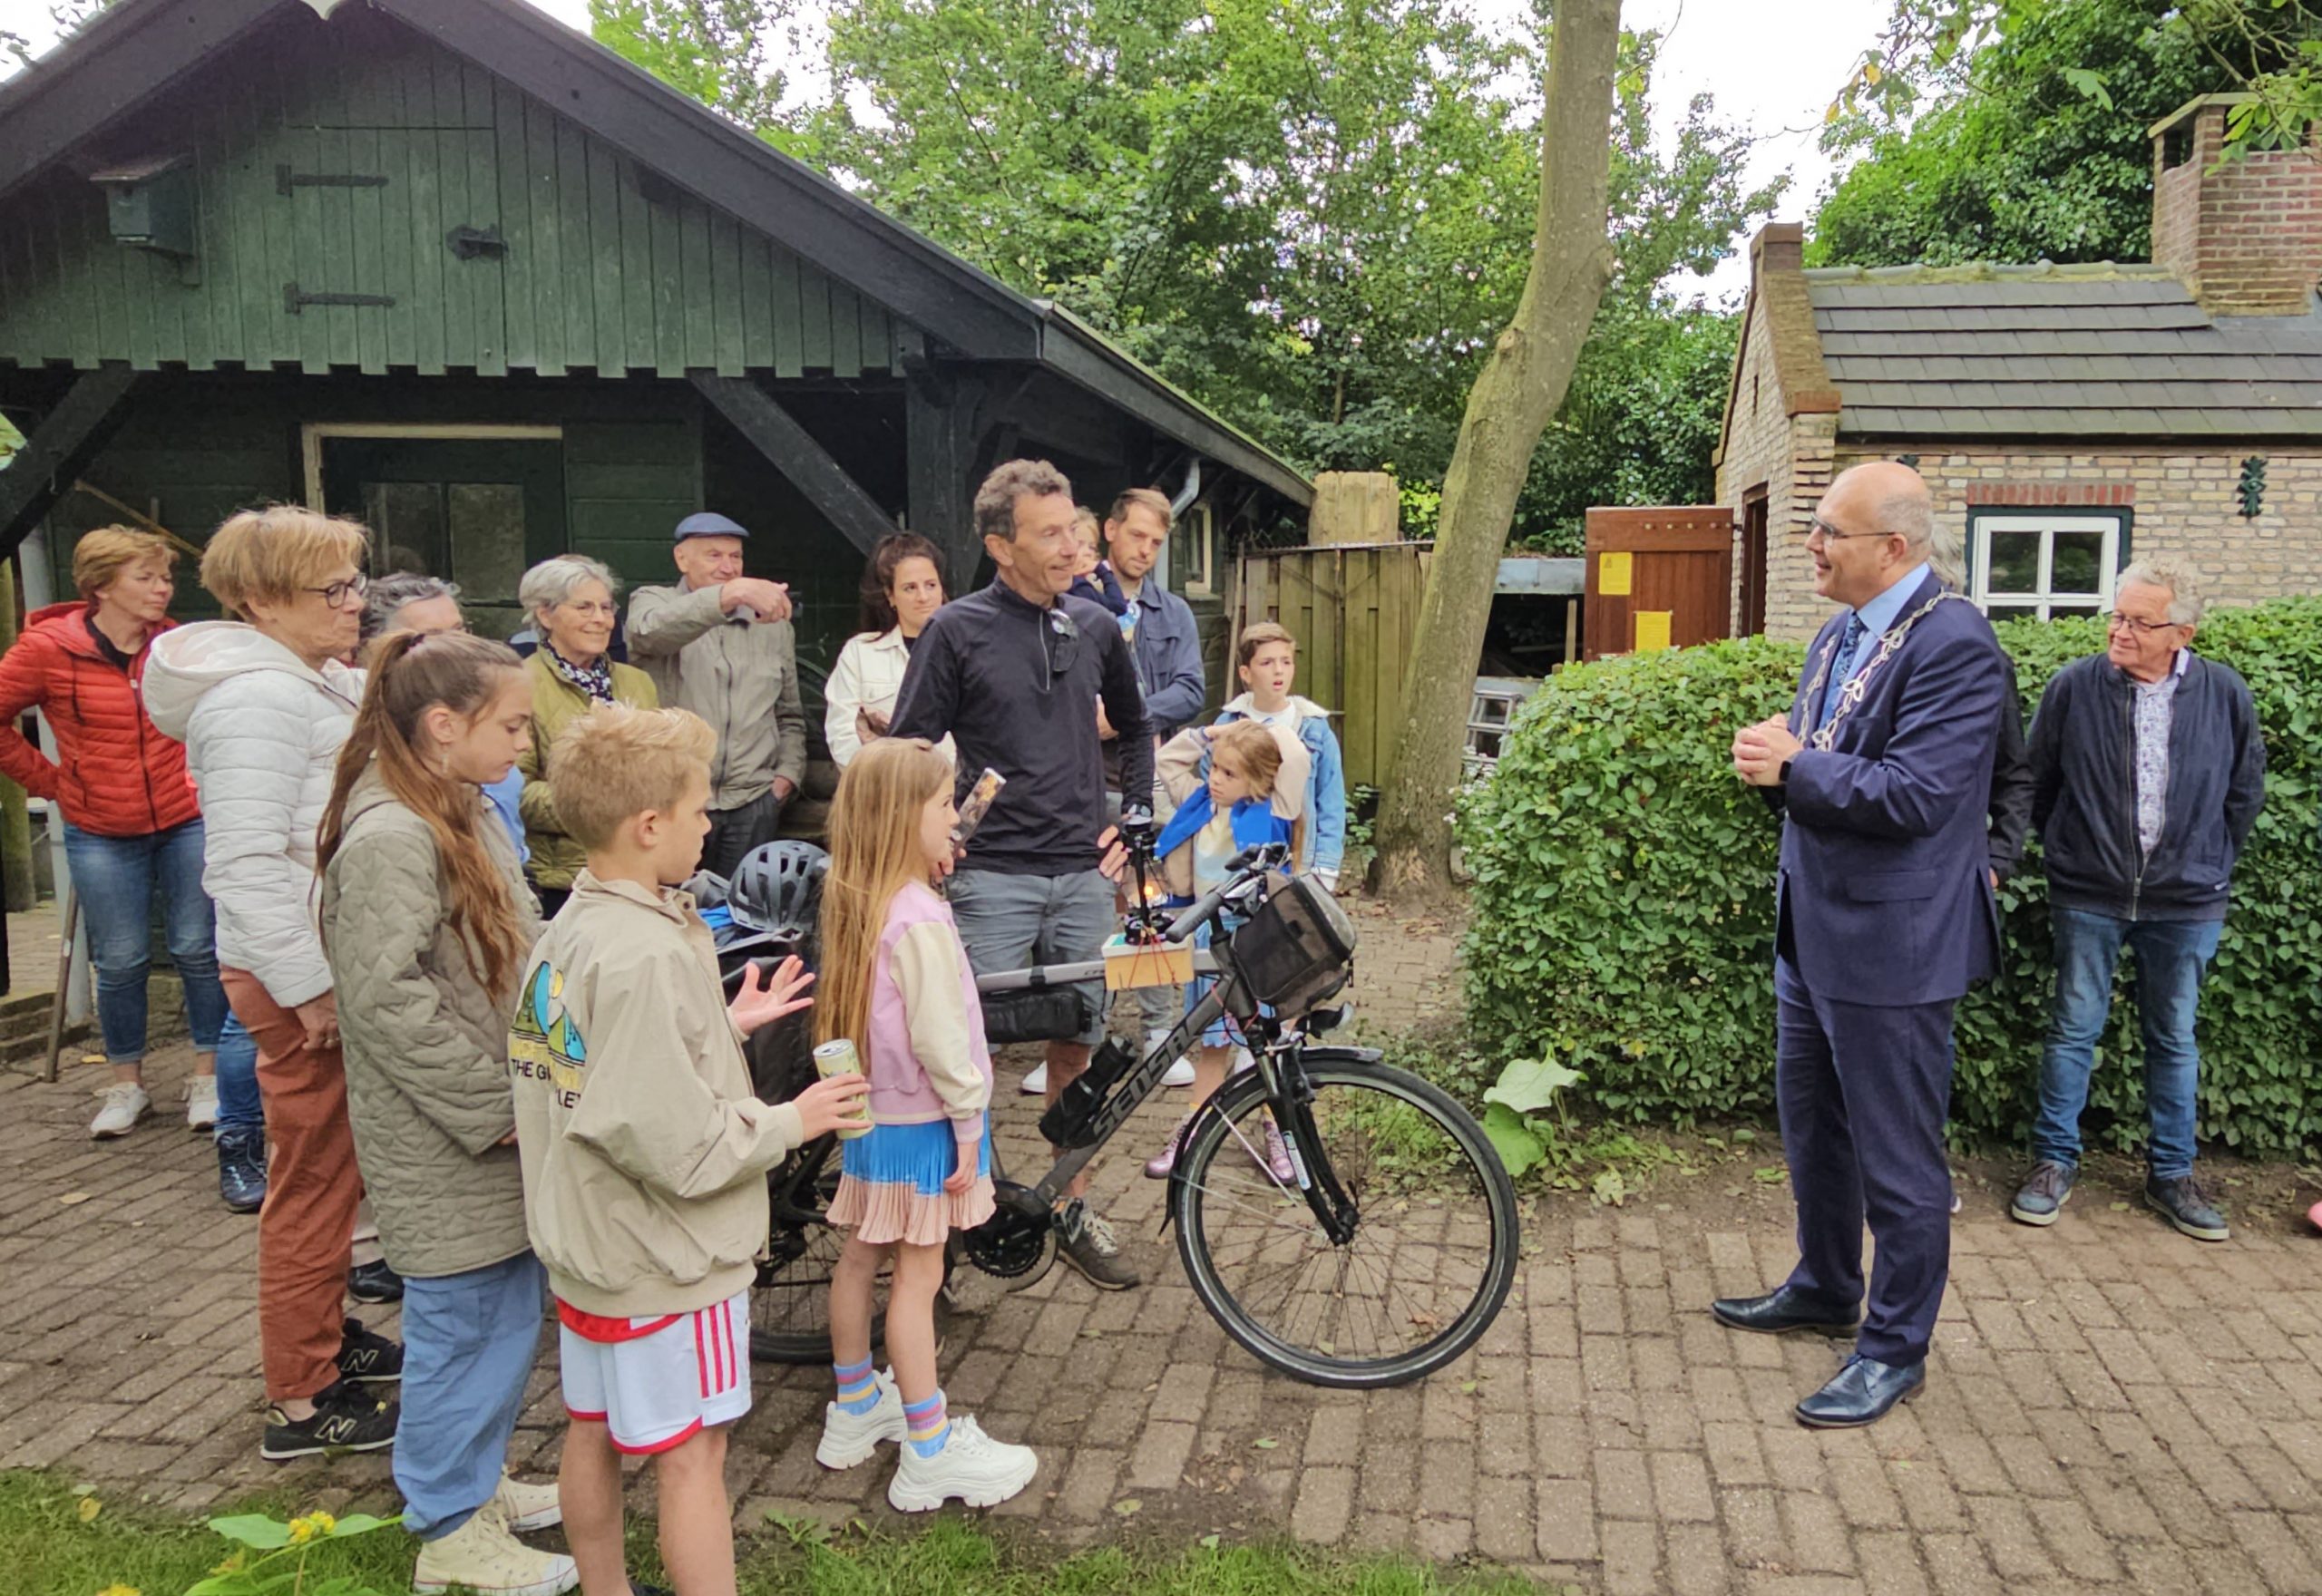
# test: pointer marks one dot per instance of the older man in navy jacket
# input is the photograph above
(1885, 916)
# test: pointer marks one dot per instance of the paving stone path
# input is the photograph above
(2110, 1408)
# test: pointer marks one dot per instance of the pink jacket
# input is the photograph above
(925, 1057)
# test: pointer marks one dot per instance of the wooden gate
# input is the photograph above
(1658, 578)
(1353, 609)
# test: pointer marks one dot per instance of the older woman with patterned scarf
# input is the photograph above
(572, 599)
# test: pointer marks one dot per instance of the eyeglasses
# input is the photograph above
(2116, 621)
(1830, 534)
(337, 593)
(1066, 652)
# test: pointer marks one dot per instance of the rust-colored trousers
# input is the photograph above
(312, 1188)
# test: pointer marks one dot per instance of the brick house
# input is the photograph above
(2059, 413)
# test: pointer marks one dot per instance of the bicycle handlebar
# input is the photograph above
(1245, 868)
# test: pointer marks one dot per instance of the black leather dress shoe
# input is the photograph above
(1860, 1394)
(1781, 1312)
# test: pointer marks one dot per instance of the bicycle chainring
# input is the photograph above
(1011, 1243)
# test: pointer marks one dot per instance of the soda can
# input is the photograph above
(837, 1059)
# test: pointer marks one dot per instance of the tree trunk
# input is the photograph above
(1515, 395)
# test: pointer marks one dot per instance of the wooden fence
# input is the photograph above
(1353, 609)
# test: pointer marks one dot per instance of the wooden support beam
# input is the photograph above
(940, 431)
(67, 438)
(778, 435)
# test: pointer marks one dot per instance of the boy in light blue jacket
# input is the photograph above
(1266, 660)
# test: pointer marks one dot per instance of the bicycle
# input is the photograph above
(1386, 1256)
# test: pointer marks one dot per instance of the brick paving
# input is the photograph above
(2111, 1407)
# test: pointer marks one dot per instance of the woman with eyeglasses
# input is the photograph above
(262, 703)
(572, 599)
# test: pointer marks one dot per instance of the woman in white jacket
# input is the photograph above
(902, 588)
(262, 706)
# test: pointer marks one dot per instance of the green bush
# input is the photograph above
(1624, 903)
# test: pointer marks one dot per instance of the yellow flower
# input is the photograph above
(318, 1523)
(120, 1591)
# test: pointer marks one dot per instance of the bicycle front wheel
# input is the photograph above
(1433, 1248)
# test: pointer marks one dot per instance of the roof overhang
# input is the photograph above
(134, 51)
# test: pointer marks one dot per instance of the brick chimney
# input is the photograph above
(2246, 234)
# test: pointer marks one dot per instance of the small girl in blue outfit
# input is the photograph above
(1256, 777)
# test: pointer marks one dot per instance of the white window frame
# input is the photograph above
(1982, 523)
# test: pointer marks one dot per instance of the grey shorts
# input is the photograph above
(1011, 922)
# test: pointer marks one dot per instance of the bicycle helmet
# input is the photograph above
(778, 888)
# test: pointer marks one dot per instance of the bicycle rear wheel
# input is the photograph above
(790, 1301)
(1433, 1248)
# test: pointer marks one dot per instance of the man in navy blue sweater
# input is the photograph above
(2148, 771)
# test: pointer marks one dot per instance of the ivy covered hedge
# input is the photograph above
(1624, 915)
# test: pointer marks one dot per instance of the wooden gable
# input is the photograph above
(332, 165)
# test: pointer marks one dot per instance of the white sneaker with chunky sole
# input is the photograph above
(125, 1102)
(972, 1466)
(482, 1557)
(849, 1439)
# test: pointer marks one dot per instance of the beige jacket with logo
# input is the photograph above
(740, 675)
(645, 1153)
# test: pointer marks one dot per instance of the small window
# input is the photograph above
(2045, 563)
(1193, 553)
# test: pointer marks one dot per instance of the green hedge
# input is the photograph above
(1623, 901)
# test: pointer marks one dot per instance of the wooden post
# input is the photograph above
(939, 449)
(17, 882)
(1355, 507)
(64, 442)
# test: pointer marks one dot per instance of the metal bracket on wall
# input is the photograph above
(286, 182)
(468, 242)
(295, 299)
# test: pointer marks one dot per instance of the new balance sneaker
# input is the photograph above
(2044, 1193)
(972, 1465)
(125, 1102)
(367, 1357)
(2184, 1204)
(373, 1282)
(483, 1557)
(849, 1439)
(201, 1103)
(524, 1506)
(1096, 1253)
(241, 1168)
(345, 1420)
(1035, 1084)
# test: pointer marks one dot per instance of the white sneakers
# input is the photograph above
(483, 1557)
(526, 1508)
(1181, 1073)
(125, 1104)
(201, 1103)
(849, 1439)
(972, 1466)
(1035, 1084)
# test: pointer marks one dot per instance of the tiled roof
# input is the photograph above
(2049, 351)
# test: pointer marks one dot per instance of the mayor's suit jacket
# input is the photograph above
(1883, 896)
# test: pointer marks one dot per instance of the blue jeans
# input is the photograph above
(2171, 956)
(115, 878)
(468, 1344)
(239, 1106)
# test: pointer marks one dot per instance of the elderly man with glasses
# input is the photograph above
(2148, 771)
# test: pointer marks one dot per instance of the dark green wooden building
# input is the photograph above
(451, 268)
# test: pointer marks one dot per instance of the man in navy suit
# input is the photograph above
(1885, 915)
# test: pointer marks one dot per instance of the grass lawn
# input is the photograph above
(51, 1545)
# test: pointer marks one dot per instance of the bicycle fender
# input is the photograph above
(1321, 1054)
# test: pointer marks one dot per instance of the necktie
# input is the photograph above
(1841, 668)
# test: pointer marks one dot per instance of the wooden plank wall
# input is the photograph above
(596, 275)
(1353, 609)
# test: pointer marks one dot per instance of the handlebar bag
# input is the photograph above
(1297, 949)
(1035, 1014)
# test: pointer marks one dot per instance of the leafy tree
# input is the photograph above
(63, 15)
(717, 51)
(2037, 150)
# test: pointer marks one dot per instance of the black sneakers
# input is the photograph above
(366, 1357)
(373, 1282)
(2184, 1204)
(345, 1420)
(241, 1168)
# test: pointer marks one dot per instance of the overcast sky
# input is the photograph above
(1772, 76)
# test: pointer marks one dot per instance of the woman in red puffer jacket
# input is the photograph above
(132, 828)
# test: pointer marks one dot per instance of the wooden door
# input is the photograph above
(1658, 578)
(1753, 562)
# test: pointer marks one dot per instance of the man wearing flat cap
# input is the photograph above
(719, 642)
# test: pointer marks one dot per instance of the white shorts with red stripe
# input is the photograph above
(657, 1381)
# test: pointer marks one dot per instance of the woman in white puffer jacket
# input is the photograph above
(262, 706)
